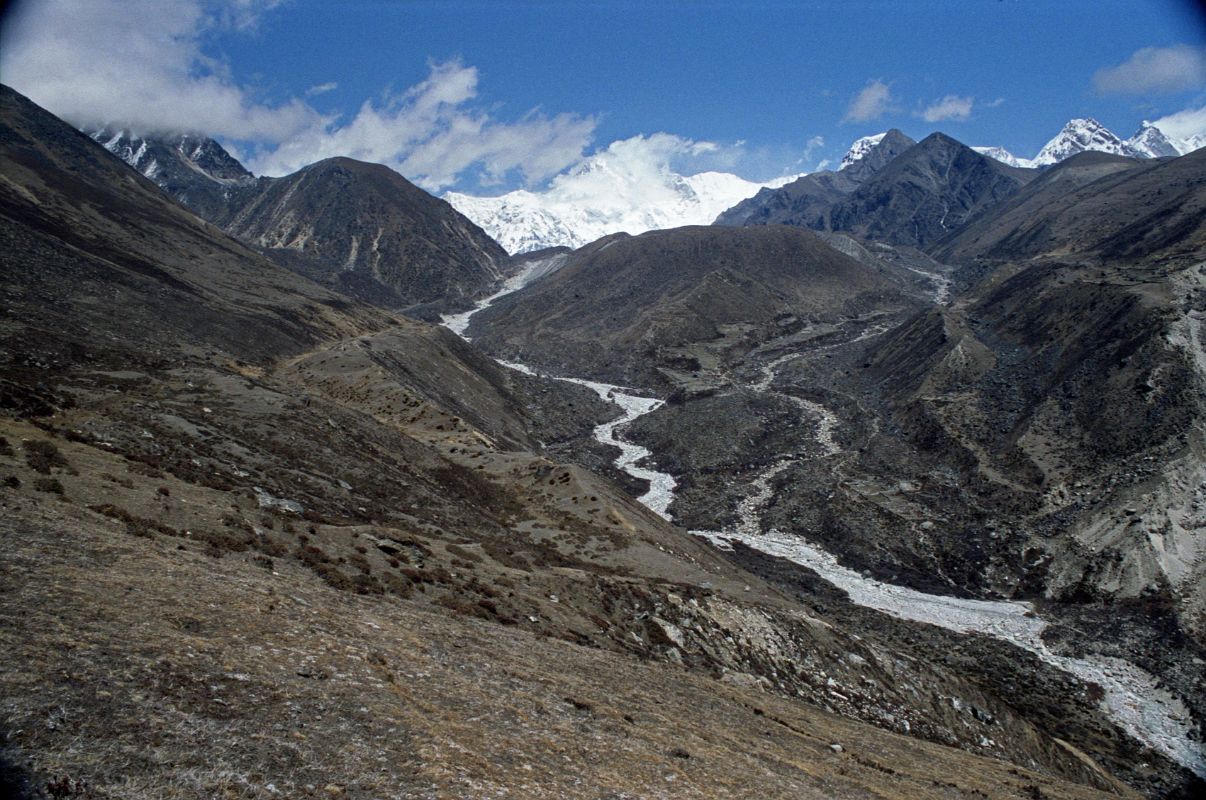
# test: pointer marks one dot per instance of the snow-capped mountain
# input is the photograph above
(614, 190)
(1004, 156)
(1078, 136)
(1151, 142)
(152, 156)
(195, 170)
(861, 147)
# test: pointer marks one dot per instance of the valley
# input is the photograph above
(890, 483)
(1135, 700)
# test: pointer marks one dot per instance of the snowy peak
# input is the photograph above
(1004, 156)
(622, 188)
(518, 221)
(1078, 136)
(861, 147)
(1151, 142)
(156, 156)
(194, 170)
(870, 154)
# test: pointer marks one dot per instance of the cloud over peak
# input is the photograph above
(1155, 69)
(872, 102)
(951, 107)
(432, 133)
(155, 77)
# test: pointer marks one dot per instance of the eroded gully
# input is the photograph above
(1133, 699)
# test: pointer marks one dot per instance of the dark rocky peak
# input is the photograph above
(194, 170)
(877, 156)
(805, 202)
(925, 192)
(364, 229)
(155, 155)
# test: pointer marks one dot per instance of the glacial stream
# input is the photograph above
(1132, 697)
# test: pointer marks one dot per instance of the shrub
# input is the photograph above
(51, 485)
(42, 456)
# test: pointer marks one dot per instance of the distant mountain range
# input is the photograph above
(890, 189)
(564, 215)
(604, 194)
(1080, 135)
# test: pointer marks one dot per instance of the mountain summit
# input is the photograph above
(1078, 136)
(1089, 135)
(195, 170)
(872, 153)
(613, 191)
(356, 227)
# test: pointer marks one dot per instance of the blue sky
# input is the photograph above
(486, 96)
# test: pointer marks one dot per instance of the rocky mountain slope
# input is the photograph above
(358, 228)
(195, 170)
(924, 192)
(1035, 434)
(1093, 205)
(366, 230)
(899, 193)
(267, 540)
(626, 308)
(806, 201)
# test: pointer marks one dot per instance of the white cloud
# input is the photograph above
(152, 75)
(951, 107)
(430, 134)
(872, 102)
(1184, 124)
(139, 62)
(322, 88)
(1155, 69)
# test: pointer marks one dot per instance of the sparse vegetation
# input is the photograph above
(51, 485)
(43, 456)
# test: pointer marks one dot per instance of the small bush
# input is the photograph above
(6, 449)
(333, 576)
(135, 525)
(467, 555)
(398, 585)
(42, 456)
(51, 485)
(225, 541)
(273, 547)
(312, 557)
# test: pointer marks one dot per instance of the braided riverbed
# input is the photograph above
(1132, 698)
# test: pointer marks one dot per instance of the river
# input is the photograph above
(1133, 698)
